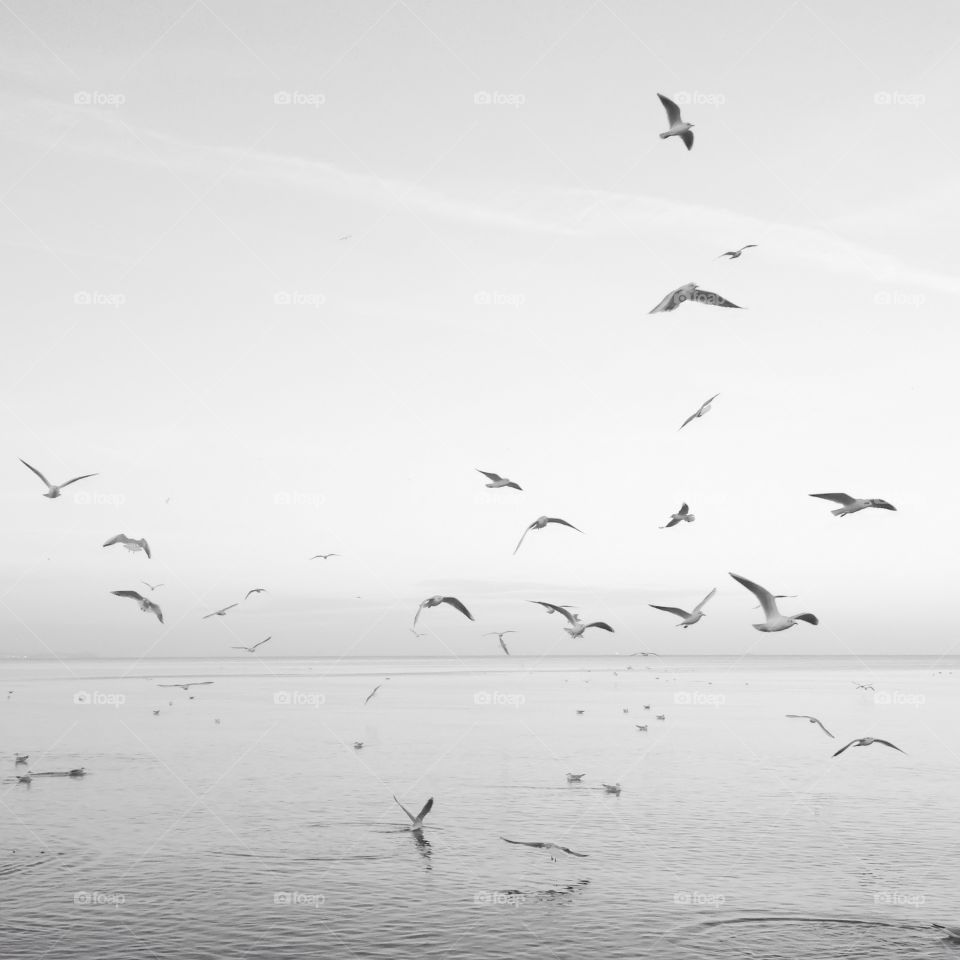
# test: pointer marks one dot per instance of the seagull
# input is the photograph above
(132, 545)
(500, 634)
(645, 653)
(53, 489)
(865, 742)
(496, 481)
(646, 706)
(325, 556)
(612, 788)
(677, 127)
(688, 619)
(147, 606)
(24, 778)
(690, 291)
(733, 254)
(776, 621)
(852, 504)
(661, 716)
(953, 932)
(642, 727)
(575, 777)
(683, 514)
(863, 686)
(255, 590)
(20, 758)
(540, 523)
(579, 713)
(577, 626)
(187, 686)
(253, 648)
(371, 694)
(357, 744)
(704, 408)
(416, 822)
(418, 635)
(550, 847)
(222, 612)
(809, 719)
(436, 601)
(152, 586)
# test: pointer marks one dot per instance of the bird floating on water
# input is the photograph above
(704, 408)
(20, 758)
(677, 126)
(776, 621)
(436, 601)
(682, 515)
(809, 719)
(53, 489)
(688, 619)
(852, 504)
(691, 292)
(575, 777)
(132, 545)
(612, 788)
(416, 822)
(496, 481)
(549, 847)
(733, 254)
(147, 606)
(866, 742)
(540, 523)
(251, 649)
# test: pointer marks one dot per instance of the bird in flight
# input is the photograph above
(690, 291)
(357, 744)
(549, 847)
(809, 719)
(253, 648)
(372, 693)
(575, 777)
(53, 489)
(577, 626)
(642, 727)
(255, 590)
(733, 254)
(496, 481)
(187, 686)
(865, 742)
(704, 408)
(222, 612)
(688, 619)
(418, 635)
(147, 606)
(780, 596)
(852, 504)
(677, 127)
(500, 634)
(540, 523)
(132, 545)
(863, 686)
(682, 515)
(416, 822)
(152, 586)
(776, 621)
(436, 601)
(325, 556)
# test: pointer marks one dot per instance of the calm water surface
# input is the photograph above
(267, 834)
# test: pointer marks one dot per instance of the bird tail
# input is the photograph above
(838, 511)
(663, 136)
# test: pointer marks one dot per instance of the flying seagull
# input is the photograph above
(253, 648)
(371, 694)
(418, 635)
(152, 586)
(416, 822)
(863, 686)
(53, 489)
(852, 504)
(809, 719)
(222, 612)
(704, 408)
(683, 514)
(865, 742)
(255, 590)
(690, 291)
(436, 601)
(688, 619)
(549, 847)
(357, 744)
(187, 686)
(776, 621)
(496, 481)
(733, 254)
(325, 556)
(677, 127)
(577, 626)
(540, 523)
(147, 606)
(132, 545)
(500, 634)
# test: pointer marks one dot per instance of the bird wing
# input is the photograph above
(674, 610)
(887, 743)
(490, 476)
(684, 510)
(36, 471)
(427, 807)
(146, 549)
(847, 747)
(764, 596)
(525, 532)
(526, 843)
(601, 625)
(504, 646)
(132, 594)
(572, 853)
(883, 505)
(669, 302)
(748, 246)
(197, 683)
(564, 522)
(672, 522)
(714, 299)
(154, 608)
(707, 403)
(119, 538)
(822, 727)
(807, 618)
(800, 716)
(224, 609)
(416, 616)
(703, 602)
(673, 111)
(687, 138)
(457, 605)
(413, 819)
(372, 692)
(75, 479)
(841, 498)
(260, 644)
(552, 606)
(693, 416)
(249, 592)
(516, 486)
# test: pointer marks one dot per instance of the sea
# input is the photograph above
(238, 818)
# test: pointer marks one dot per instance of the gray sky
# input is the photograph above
(182, 318)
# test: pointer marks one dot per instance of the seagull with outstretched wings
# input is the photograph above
(436, 601)
(694, 616)
(809, 719)
(549, 847)
(147, 606)
(540, 523)
(691, 292)
(677, 126)
(496, 481)
(53, 489)
(850, 504)
(416, 822)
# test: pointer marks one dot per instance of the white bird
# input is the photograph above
(416, 822)
(733, 254)
(575, 777)
(612, 788)
(682, 515)
(540, 523)
(852, 504)
(222, 612)
(371, 694)
(53, 489)
(776, 621)
(577, 626)
(187, 686)
(147, 606)
(704, 408)
(152, 586)
(132, 545)
(496, 481)
(661, 716)
(357, 744)
(325, 556)
(863, 686)
(255, 590)
(253, 648)
(500, 634)
(865, 742)
(780, 596)
(549, 847)
(642, 727)
(809, 719)
(688, 619)
(677, 127)
(436, 601)
(691, 292)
